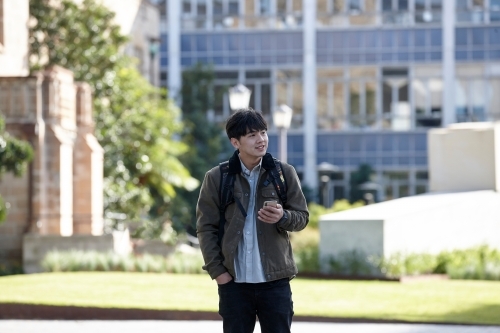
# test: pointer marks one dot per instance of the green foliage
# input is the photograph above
(407, 264)
(141, 155)
(207, 141)
(92, 261)
(360, 176)
(81, 38)
(352, 263)
(316, 210)
(14, 157)
(135, 123)
(11, 268)
(305, 245)
(478, 263)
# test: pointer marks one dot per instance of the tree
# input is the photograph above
(81, 38)
(360, 176)
(14, 156)
(135, 123)
(208, 142)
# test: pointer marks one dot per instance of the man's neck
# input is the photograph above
(250, 163)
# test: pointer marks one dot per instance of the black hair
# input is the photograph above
(245, 121)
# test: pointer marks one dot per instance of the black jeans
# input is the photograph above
(241, 303)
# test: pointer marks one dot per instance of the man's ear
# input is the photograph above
(235, 143)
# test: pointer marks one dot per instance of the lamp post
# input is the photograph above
(239, 97)
(282, 118)
(370, 188)
(154, 48)
(326, 169)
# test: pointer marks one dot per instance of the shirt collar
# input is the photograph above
(245, 170)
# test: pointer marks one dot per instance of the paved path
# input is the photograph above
(98, 326)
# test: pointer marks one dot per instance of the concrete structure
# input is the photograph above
(61, 194)
(461, 213)
(140, 21)
(426, 223)
(465, 157)
(366, 79)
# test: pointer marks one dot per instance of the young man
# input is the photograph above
(254, 262)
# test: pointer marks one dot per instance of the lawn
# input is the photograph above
(453, 301)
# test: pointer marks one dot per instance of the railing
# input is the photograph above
(335, 20)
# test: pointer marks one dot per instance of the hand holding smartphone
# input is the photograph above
(272, 203)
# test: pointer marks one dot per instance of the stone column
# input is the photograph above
(59, 101)
(310, 177)
(174, 49)
(20, 105)
(88, 169)
(448, 108)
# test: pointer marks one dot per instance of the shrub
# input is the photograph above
(352, 263)
(11, 269)
(479, 263)
(305, 245)
(72, 261)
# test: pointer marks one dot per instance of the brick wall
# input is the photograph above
(61, 194)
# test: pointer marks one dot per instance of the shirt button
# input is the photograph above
(272, 193)
(248, 232)
(246, 194)
(248, 252)
(238, 232)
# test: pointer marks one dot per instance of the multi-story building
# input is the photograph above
(366, 79)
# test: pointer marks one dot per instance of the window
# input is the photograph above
(470, 10)
(395, 101)
(394, 5)
(265, 7)
(355, 5)
(428, 11)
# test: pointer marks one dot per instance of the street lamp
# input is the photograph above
(239, 97)
(154, 48)
(327, 169)
(369, 187)
(282, 118)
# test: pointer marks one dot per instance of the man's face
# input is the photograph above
(252, 145)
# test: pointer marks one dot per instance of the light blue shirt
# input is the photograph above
(247, 264)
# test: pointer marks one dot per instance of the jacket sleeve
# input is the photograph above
(296, 205)
(207, 226)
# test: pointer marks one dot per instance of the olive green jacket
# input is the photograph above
(274, 242)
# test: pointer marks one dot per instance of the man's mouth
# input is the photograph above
(261, 147)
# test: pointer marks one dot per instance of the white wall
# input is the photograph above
(464, 157)
(14, 51)
(428, 223)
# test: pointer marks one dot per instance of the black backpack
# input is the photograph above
(275, 176)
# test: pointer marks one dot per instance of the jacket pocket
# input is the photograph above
(269, 193)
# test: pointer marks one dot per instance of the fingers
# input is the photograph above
(270, 214)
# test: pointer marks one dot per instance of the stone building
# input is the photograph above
(61, 194)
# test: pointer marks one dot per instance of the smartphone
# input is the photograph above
(270, 203)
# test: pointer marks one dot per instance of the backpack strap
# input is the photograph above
(277, 178)
(226, 196)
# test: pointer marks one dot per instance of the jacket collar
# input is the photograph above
(235, 163)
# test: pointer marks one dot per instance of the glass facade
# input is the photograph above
(378, 71)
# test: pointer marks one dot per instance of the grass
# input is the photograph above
(456, 301)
